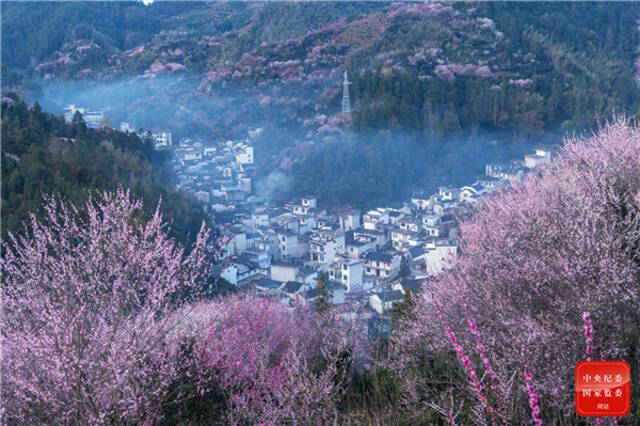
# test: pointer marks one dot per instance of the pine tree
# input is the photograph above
(78, 120)
(325, 295)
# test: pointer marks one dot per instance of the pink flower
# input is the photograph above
(534, 401)
(588, 335)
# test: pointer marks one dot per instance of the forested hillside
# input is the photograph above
(43, 155)
(533, 67)
(32, 33)
(424, 67)
(429, 79)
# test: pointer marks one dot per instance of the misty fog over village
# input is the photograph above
(367, 261)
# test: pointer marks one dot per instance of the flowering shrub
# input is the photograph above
(85, 297)
(534, 260)
(274, 364)
(450, 71)
(426, 10)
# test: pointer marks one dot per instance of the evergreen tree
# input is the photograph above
(325, 295)
(78, 119)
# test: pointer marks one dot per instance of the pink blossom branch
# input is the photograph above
(464, 360)
(588, 335)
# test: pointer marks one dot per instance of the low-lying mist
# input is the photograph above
(370, 169)
(304, 148)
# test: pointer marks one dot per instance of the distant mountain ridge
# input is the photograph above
(522, 66)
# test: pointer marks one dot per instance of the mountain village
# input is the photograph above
(368, 261)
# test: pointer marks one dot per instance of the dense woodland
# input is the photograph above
(580, 69)
(117, 25)
(551, 67)
(43, 155)
(371, 168)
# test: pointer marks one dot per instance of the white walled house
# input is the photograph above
(306, 223)
(357, 247)
(491, 183)
(210, 151)
(402, 239)
(448, 193)
(353, 275)
(421, 201)
(230, 274)
(259, 217)
(430, 220)
(244, 154)
(350, 220)
(258, 257)
(383, 265)
(306, 205)
(162, 140)
(237, 243)
(309, 202)
(283, 271)
(244, 183)
(395, 217)
(439, 254)
(436, 231)
(383, 302)
(538, 158)
(469, 194)
(410, 224)
(408, 286)
(325, 247)
(236, 272)
(287, 221)
(349, 272)
(379, 237)
(512, 172)
(375, 219)
(290, 244)
(268, 243)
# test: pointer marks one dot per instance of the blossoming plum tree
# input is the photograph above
(534, 259)
(86, 293)
(274, 364)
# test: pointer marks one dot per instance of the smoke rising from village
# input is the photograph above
(272, 184)
(303, 133)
